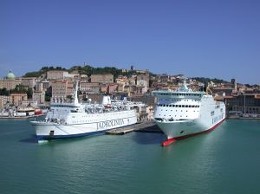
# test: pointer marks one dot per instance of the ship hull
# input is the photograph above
(51, 130)
(186, 128)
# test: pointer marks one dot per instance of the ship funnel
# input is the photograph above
(184, 87)
(106, 101)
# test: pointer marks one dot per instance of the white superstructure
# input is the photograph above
(184, 112)
(75, 119)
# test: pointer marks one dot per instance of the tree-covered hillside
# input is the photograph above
(42, 71)
(89, 70)
(85, 70)
(207, 80)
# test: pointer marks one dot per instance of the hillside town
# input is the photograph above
(137, 85)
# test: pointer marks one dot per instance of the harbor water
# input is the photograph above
(226, 160)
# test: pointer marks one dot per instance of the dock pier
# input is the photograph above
(147, 126)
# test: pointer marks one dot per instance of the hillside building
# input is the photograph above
(62, 88)
(10, 81)
(102, 78)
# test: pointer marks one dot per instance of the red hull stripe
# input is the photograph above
(171, 140)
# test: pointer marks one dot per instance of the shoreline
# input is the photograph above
(243, 118)
(20, 118)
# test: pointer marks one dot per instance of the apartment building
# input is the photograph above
(3, 101)
(109, 88)
(62, 88)
(89, 87)
(102, 78)
(29, 82)
(39, 97)
(245, 103)
(142, 82)
(58, 75)
(45, 85)
(18, 98)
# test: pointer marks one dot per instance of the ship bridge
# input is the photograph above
(177, 94)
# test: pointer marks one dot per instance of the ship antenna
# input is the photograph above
(76, 101)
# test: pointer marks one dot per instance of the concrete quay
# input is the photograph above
(147, 126)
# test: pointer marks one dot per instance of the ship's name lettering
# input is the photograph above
(111, 123)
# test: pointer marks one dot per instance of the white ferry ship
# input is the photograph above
(183, 112)
(65, 120)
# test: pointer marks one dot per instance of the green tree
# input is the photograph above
(29, 92)
(48, 94)
(4, 92)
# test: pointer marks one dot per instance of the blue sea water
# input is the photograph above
(226, 160)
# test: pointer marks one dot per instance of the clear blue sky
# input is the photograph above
(209, 38)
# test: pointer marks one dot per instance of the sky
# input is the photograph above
(197, 38)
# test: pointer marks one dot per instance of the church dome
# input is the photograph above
(10, 75)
